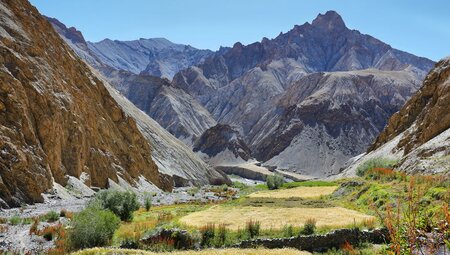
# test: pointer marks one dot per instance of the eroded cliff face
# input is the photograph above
(418, 135)
(56, 118)
(427, 111)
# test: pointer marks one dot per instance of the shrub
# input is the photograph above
(207, 234)
(288, 231)
(253, 227)
(148, 203)
(122, 204)
(15, 220)
(93, 227)
(374, 163)
(221, 235)
(52, 216)
(274, 181)
(309, 228)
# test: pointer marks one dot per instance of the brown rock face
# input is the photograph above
(427, 110)
(56, 117)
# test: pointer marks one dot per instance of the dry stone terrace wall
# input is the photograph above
(321, 243)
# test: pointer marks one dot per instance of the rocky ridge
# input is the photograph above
(57, 119)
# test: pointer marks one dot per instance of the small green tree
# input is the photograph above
(274, 181)
(92, 227)
(122, 204)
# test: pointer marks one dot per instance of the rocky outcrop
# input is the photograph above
(57, 119)
(222, 145)
(419, 134)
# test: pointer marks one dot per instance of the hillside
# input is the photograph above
(57, 118)
(418, 135)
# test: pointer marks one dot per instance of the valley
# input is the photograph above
(320, 140)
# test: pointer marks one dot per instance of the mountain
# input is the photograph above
(57, 119)
(305, 101)
(157, 56)
(303, 86)
(172, 108)
(418, 135)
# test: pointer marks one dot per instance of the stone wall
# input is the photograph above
(321, 243)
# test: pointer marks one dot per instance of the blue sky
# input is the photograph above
(419, 27)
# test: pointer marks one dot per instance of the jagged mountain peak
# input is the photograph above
(69, 32)
(331, 20)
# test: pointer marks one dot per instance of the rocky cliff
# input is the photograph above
(57, 119)
(418, 135)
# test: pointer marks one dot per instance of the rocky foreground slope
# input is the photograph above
(418, 135)
(59, 120)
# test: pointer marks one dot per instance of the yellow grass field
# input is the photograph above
(105, 251)
(301, 192)
(273, 217)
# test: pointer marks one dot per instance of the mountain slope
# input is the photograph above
(173, 157)
(57, 119)
(247, 87)
(418, 135)
(172, 108)
(158, 56)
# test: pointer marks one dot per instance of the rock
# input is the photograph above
(418, 135)
(222, 145)
(61, 120)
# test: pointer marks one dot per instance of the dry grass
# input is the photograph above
(301, 192)
(259, 251)
(273, 217)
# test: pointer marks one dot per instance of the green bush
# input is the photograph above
(274, 181)
(122, 204)
(288, 231)
(148, 203)
(222, 233)
(374, 163)
(15, 220)
(52, 216)
(309, 228)
(92, 227)
(253, 227)
(207, 234)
